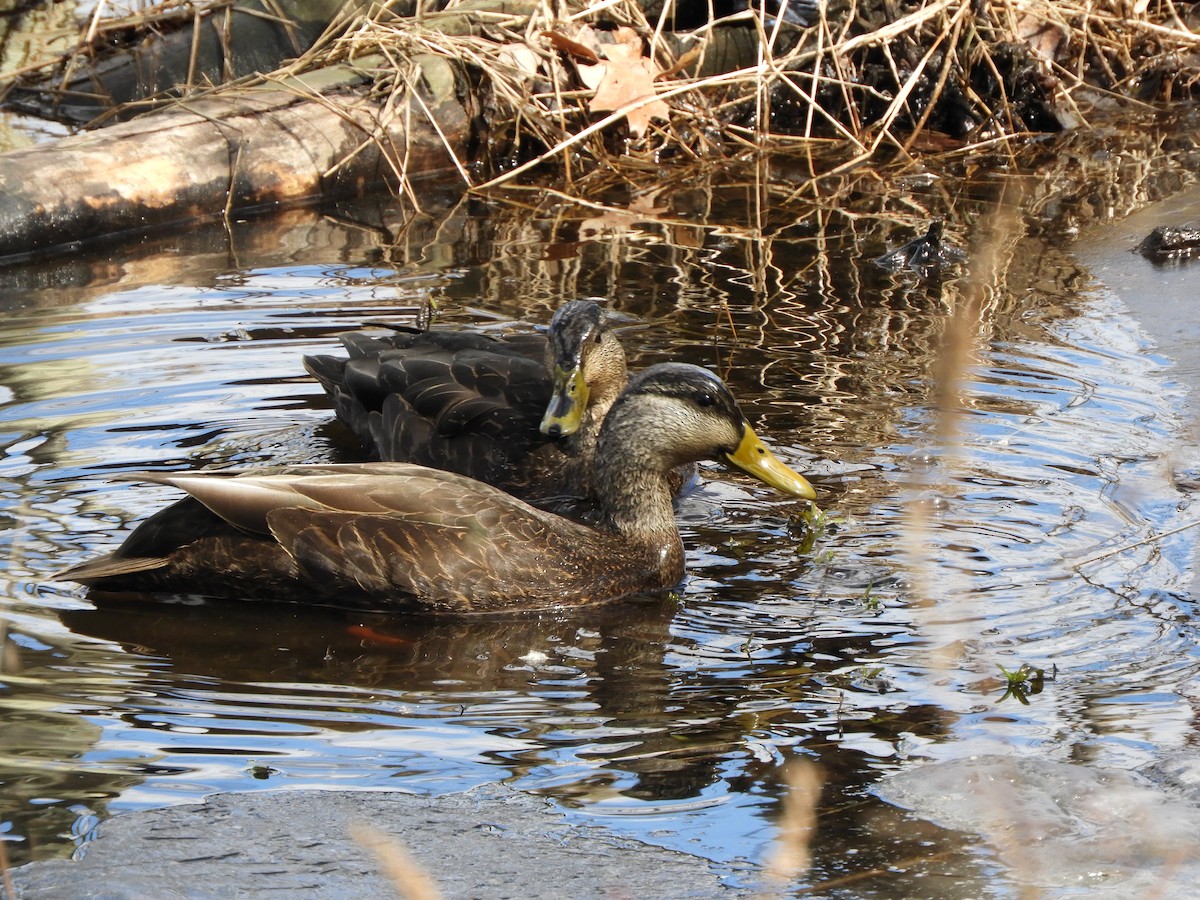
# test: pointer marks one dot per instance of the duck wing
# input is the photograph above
(243, 499)
(398, 532)
(457, 401)
(460, 553)
(476, 413)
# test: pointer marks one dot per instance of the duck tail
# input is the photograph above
(109, 567)
(330, 371)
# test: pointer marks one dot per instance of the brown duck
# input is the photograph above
(406, 537)
(521, 412)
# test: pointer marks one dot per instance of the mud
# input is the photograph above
(490, 842)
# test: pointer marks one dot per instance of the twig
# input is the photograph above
(1136, 544)
(10, 892)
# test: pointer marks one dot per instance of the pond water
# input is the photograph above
(974, 459)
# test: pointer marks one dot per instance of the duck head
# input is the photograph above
(588, 366)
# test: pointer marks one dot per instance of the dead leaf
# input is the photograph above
(625, 77)
(591, 76)
(1044, 38)
(627, 37)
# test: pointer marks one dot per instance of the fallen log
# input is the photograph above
(316, 135)
(125, 65)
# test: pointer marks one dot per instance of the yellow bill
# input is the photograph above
(753, 458)
(568, 400)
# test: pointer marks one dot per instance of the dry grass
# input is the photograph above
(942, 76)
(867, 80)
(9, 890)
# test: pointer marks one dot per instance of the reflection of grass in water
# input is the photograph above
(958, 336)
(965, 333)
(937, 602)
(1152, 539)
(947, 606)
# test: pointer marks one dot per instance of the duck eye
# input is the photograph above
(705, 400)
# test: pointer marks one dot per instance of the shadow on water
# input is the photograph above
(671, 719)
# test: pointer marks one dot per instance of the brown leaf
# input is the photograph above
(627, 78)
(627, 37)
(591, 76)
(1044, 38)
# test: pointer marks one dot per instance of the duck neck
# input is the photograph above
(606, 379)
(584, 441)
(631, 483)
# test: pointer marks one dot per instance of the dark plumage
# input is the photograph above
(520, 412)
(395, 535)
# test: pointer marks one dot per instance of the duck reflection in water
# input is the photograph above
(338, 672)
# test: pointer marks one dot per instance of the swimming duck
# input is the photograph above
(521, 412)
(406, 537)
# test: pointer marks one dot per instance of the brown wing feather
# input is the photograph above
(460, 551)
(384, 534)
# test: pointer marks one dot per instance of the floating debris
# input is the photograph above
(1171, 243)
(926, 256)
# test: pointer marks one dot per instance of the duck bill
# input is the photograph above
(753, 458)
(568, 400)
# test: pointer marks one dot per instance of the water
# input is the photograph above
(878, 647)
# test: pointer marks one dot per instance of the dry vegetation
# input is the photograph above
(605, 83)
(634, 86)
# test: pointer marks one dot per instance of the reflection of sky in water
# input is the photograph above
(668, 721)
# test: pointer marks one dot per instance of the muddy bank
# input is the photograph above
(488, 842)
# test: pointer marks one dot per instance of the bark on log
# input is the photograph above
(230, 152)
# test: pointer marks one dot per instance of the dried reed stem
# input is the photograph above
(791, 853)
(9, 890)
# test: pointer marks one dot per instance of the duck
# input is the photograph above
(404, 537)
(521, 412)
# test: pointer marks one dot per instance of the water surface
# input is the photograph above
(958, 539)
